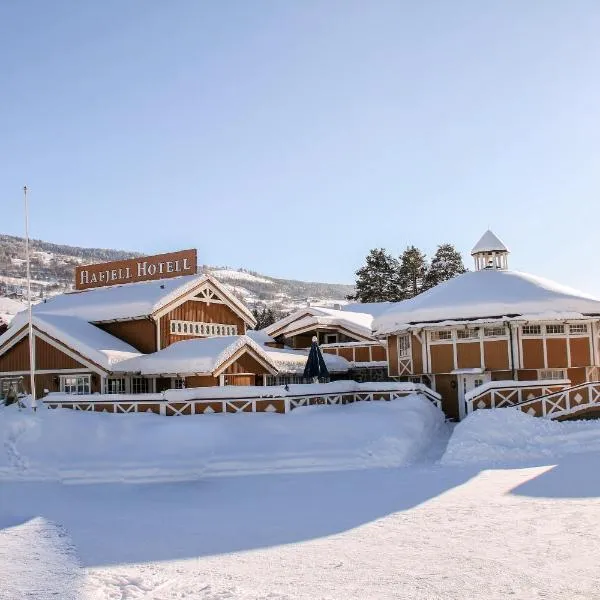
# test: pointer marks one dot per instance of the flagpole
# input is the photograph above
(31, 340)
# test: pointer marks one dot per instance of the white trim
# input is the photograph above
(236, 355)
(157, 326)
(44, 372)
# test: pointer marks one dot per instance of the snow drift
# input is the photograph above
(506, 435)
(74, 446)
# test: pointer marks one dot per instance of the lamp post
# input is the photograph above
(31, 340)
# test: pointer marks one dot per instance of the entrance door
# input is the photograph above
(467, 383)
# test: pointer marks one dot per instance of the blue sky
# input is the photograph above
(292, 137)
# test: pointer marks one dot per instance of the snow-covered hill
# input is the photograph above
(52, 268)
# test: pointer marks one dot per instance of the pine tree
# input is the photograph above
(446, 264)
(378, 280)
(265, 316)
(412, 272)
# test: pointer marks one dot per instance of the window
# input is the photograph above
(75, 384)
(179, 383)
(12, 385)
(115, 385)
(330, 338)
(532, 330)
(494, 331)
(438, 336)
(467, 334)
(140, 385)
(555, 329)
(579, 328)
(403, 346)
(552, 374)
(198, 329)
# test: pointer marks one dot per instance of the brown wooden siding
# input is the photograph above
(556, 352)
(417, 355)
(502, 375)
(378, 353)
(46, 357)
(446, 386)
(580, 352)
(533, 353)
(392, 352)
(140, 333)
(196, 381)
(468, 355)
(303, 340)
(526, 375)
(576, 375)
(361, 354)
(246, 364)
(197, 311)
(496, 355)
(442, 358)
(244, 379)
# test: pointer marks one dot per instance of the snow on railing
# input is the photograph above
(233, 399)
(498, 394)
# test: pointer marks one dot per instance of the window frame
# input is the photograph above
(79, 387)
(434, 336)
(558, 326)
(537, 333)
(562, 372)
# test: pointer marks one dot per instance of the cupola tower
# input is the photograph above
(490, 253)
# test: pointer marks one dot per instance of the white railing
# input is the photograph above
(500, 394)
(232, 399)
(564, 403)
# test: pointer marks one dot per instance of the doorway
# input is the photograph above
(467, 382)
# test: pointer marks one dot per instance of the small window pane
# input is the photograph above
(532, 329)
(555, 329)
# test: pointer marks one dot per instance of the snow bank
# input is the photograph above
(77, 446)
(506, 435)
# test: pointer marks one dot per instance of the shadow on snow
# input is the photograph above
(126, 523)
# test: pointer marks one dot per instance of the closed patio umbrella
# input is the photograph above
(315, 367)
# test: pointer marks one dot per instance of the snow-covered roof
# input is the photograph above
(197, 356)
(131, 300)
(88, 340)
(312, 317)
(294, 361)
(486, 294)
(489, 242)
(372, 308)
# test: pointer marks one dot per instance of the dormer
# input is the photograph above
(490, 253)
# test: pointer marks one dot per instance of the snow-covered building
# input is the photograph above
(492, 325)
(145, 336)
(345, 332)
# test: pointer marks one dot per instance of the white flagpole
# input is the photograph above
(31, 340)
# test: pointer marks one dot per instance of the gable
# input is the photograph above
(246, 363)
(47, 357)
(194, 312)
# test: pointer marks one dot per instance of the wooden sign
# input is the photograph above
(145, 268)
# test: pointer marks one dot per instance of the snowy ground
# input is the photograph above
(361, 527)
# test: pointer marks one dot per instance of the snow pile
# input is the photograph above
(77, 446)
(506, 436)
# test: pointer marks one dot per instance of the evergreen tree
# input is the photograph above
(412, 272)
(446, 264)
(378, 281)
(265, 316)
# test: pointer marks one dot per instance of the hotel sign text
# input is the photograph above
(159, 266)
